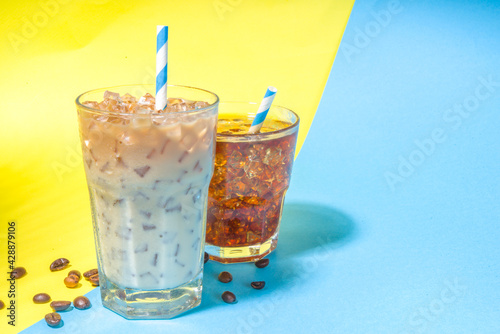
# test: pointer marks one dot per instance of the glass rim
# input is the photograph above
(80, 105)
(263, 135)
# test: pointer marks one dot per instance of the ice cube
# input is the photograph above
(189, 140)
(174, 133)
(91, 104)
(200, 104)
(253, 169)
(125, 138)
(160, 119)
(236, 160)
(183, 106)
(147, 99)
(115, 106)
(172, 100)
(102, 118)
(273, 156)
(253, 154)
(200, 126)
(111, 95)
(142, 121)
(208, 139)
(127, 98)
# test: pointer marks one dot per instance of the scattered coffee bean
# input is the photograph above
(225, 277)
(53, 319)
(81, 303)
(90, 272)
(71, 281)
(18, 272)
(229, 297)
(206, 257)
(60, 305)
(76, 274)
(94, 279)
(41, 298)
(262, 263)
(258, 285)
(1, 305)
(59, 264)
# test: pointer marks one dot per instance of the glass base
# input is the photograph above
(250, 253)
(151, 304)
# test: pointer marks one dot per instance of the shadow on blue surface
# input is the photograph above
(306, 226)
(309, 235)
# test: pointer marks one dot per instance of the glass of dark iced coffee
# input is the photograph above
(251, 176)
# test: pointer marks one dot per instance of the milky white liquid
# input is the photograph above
(148, 183)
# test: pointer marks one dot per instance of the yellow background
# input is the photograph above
(53, 50)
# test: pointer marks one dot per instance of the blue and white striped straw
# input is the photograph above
(161, 66)
(263, 109)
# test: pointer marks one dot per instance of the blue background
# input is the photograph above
(391, 223)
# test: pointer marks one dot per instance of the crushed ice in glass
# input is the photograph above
(146, 105)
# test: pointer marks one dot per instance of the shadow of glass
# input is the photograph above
(306, 226)
(309, 234)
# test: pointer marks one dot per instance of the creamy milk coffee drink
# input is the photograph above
(148, 173)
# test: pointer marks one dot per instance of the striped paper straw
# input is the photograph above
(263, 109)
(161, 66)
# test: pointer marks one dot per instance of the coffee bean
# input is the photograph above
(94, 279)
(59, 264)
(90, 272)
(206, 257)
(262, 263)
(60, 305)
(258, 285)
(225, 277)
(76, 274)
(81, 303)
(1, 305)
(71, 281)
(229, 297)
(18, 272)
(41, 298)
(53, 319)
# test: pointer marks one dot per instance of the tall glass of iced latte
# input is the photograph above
(148, 173)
